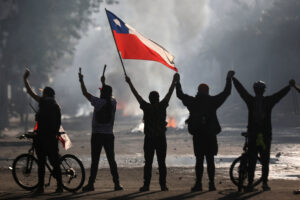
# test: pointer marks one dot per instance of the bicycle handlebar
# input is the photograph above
(31, 134)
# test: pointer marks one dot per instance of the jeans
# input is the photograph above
(152, 144)
(98, 141)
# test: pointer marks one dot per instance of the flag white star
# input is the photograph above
(117, 22)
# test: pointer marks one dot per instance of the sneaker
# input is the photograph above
(249, 188)
(164, 188)
(59, 190)
(212, 187)
(118, 187)
(266, 187)
(88, 188)
(38, 191)
(297, 191)
(144, 188)
(197, 187)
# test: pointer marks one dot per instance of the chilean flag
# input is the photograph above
(132, 45)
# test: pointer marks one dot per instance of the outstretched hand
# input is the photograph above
(80, 75)
(230, 74)
(292, 83)
(27, 73)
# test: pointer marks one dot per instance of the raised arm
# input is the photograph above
(133, 90)
(28, 88)
(186, 99)
(297, 87)
(220, 98)
(171, 89)
(241, 90)
(275, 98)
(293, 84)
(83, 88)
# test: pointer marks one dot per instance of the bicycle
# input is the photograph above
(239, 168)
(25, 169)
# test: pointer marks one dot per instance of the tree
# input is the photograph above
(37, 34)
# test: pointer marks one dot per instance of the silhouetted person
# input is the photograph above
(259, 126)
(48, 118)
(155, 132)
(203, 124)
(102, 132)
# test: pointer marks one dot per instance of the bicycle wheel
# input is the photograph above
(72, 171)
(237, 178)
(25, 171)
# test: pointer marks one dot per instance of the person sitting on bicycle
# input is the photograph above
(102, 131)
(259, 126)
(203, 124)
(48, 119)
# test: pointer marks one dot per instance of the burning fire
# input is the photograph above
(171, 122)
(121, 106)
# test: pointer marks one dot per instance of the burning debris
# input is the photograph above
(171, 122)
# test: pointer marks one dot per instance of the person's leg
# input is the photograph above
(96, 146)
(41, 169)
(199, 164)
(41, 156)
(53, 156)
(211, 171)
(161, 153)
(252, 159)
(265, 159)
(148, 154)
(110, 154)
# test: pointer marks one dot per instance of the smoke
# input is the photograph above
(165, 22)
(194, 31)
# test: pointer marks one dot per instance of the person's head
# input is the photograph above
(203, 89)
(154, 97)
(106, 92)
(48, 92)
(259, 87)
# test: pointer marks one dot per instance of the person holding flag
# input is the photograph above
(155, 132)
(203, 124)
(102, 131)
(45, 142)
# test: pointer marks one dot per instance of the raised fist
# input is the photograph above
(127, 79)
(292, 82)
(230, 74)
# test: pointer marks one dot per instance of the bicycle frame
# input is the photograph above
(31, 151)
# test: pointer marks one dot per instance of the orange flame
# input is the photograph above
(171, 122)
(121, 106)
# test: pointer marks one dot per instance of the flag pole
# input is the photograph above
(116, 44)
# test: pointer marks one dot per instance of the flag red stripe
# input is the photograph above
(132, 48)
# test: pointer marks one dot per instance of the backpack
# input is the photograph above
(197, 124)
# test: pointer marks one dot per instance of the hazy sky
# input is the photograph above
(183, 27)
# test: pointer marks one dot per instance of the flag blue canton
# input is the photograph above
(116, 23)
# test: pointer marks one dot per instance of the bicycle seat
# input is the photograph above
(245, 134)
